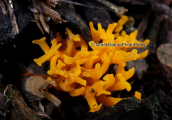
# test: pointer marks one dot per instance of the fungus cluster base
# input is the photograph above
(77, 70)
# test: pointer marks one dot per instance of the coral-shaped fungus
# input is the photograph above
(78, 70)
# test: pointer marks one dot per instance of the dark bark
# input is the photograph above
(134, 109)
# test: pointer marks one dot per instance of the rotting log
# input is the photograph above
(23, 17)
(74, 21)
(96, 15)
(134, 109)
(20, 109)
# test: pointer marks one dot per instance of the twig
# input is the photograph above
(38, 6)
(15, 29)
(141, 28)
(99, 8)
(41, 11)
(43, 22)
(153, 33)
(169, 33)
(119, 11)
(33, 9)
(51, 13)
(3, 7)
(143, 25)
(51, 3)
(160, 7)
(42, 114)
(36, 16)
(132, 2)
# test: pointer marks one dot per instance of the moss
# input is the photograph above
(10, 94)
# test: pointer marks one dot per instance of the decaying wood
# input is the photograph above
(23, 17)
(160, 7)
(96, 15)
(134, 109)
(3, 7)
(168, 2)
(3, 113)
(34, 105)
(43, 13)
(119, 11)
(169, 32)
(55, 16)
(132, 2)
(153, 33)
(157, 5)
(39, 18)
(37, 5)
(39, 15)
(43, 22)
(71, 5)
(20, 110)
(76, 23)
(15, 29)
(42, 114)
(165, 33)
(51, 3)
(142, 26)
(36, 16)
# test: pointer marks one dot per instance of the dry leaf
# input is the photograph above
(164, 54)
